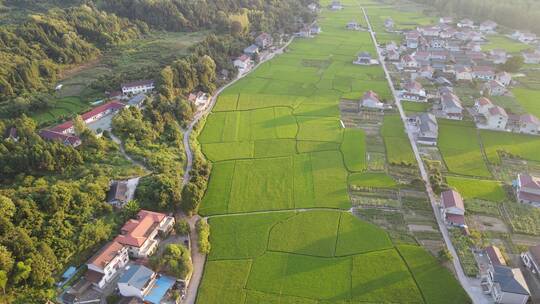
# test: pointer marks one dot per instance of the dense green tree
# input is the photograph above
(6, 259)
(203, 229)
(513, 64)
(176, 260)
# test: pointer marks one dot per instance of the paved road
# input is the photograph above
(197, 258)
(471, 286)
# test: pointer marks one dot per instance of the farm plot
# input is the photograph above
(471, 188)
(523, 146)
(505, 43)
(459, 146)
(430, 275)
(372, 180)
(271, 259)
(282, 149)
(528, 100)
(398, 147)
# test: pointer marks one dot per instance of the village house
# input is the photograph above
(485, 73)
(199, 99)
(364, 58)
(473, 46)
(64, 132)
(422, 57)
(531, 259)
(448, 34)
(482, 105)
(336, 5)
(137, 87)
(488, 26)
(439, 55)
(136, 101)
(453, 209)
(66, 139)
(437, 43)
(426, 72)
(527, 189)
(429, 31)
(371, 100)
(122, 191)
(11, 135)
(143, 283)
(408, 61)
(529, 124)
(412, 39)
(498, 56)
(389, 24)
(315, 29)
(425, 129)
(524, 37)
(463, 73)
(251, 50)
(392, 55)
(451, 106)
(494, 88)
(106, 263)
(391, 46)
(531, 57)
(413, 91)
(446, 20)
(506, 285)
(496, 118)
(141, 235)
(242, 63)
(466, 23)
(353, 26)
(495, 256)
(504, 78)
(264, 40)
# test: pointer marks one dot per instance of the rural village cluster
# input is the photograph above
(429, 65)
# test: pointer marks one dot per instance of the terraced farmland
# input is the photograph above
(278, 191)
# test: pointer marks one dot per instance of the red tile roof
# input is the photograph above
(528, 118)
(483, 101)
(371, 94)
(495, 255)
(51, 135)
(496, 110)
(93, 276)
(114, 105)
(529, 181)
(136, 231)
(106, 254)
(457, 219)
(452, 198)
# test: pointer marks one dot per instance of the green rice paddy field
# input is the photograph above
(276, 144)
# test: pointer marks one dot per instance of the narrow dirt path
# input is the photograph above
(126, 156)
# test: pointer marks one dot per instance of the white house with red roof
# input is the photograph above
(264, 40)
(483, 73)
(488, 26)
(242, 63)
(482, 105)
(528, 189)
(64, 132)
(496, 118)
(504, 77)
(494, 88)
(466, 23)
(138, 87)
(463, 73)
(531, 57)
(451, 106)
(413, 91)
(371, 100)
(199, 99)
(106, 263)
(529, 124)
(141, 235)
(408, 61)
(412, 39)
(453, 209)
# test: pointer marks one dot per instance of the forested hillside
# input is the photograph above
(518, 14)
(32, 53)
(35, 51)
